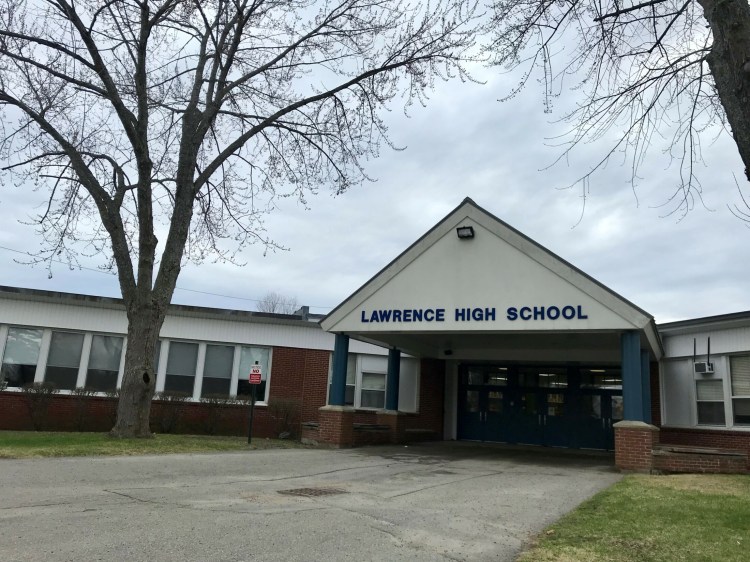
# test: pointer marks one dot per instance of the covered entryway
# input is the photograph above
(530, 350)
(558, 406)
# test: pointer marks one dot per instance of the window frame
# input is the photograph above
(41, 353)
(723, 401)
(732, 396)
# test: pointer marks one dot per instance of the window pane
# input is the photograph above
(610, 379)
(529, 403)
(617, 408)
(373, 381)
(248, 357)
(182, 358)
(21, 356)
(472, 401)
(591, 406)
(741, 408)
(104, 363)
(475, 377)
(349, 395)
(219, 359)
(555, 404)
(497, 379)
(215, 387)
(711, 413)
(106, 352)
(710, 390)
(351, 369)
(22, 346)
(495, 401)
(373, 399)
(552, 379)
(64, 359)
(740, 367)
(65, 350)
(181, 363)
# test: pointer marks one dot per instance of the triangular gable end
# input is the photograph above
(497, 281)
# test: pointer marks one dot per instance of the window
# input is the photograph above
(740, 369)
(104, 363)
(606, 379)
(710, 398)
(366, 381)
(181, 363)
(64, 360)
(373, 390)
(21, 356)
(351, 379)
(249, 356)
(217, 372)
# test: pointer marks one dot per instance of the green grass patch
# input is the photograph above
(655, 518)
(28, 444)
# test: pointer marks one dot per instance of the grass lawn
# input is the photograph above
(31, 444)
(655, 518)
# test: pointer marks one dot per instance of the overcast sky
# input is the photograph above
(466, 143)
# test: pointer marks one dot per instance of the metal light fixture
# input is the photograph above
(465, 232)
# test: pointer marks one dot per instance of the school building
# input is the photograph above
(475, 332)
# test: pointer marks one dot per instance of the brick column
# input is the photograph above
(634, 441)
(336, 426)
(397, 423)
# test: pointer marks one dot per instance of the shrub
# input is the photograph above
(168, 414)
(114, 396)
(38, 398)
(215, 410)
(81, 396)
(285, 414)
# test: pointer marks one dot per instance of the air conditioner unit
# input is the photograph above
(703, 368)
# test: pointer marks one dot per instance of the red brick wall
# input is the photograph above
(431, 400)
(336, 428)
(705, 438)
(298, 375)
(633, 446)
(692, 463)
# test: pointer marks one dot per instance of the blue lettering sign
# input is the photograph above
(568, 312)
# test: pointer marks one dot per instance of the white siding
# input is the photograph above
(88, 317)
(734, 340)
(678, 393)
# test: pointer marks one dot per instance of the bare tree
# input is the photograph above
(275, 302)
(642, 69)
(163, 130)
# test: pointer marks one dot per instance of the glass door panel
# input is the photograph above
(470, 416)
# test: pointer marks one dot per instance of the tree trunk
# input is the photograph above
(139, 380)
(729, 62)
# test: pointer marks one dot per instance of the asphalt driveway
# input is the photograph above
(424, 502)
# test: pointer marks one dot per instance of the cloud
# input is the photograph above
(466, 143)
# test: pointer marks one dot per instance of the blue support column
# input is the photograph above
(392, 380)
(632, 379)
(337, 396)
(646, 385)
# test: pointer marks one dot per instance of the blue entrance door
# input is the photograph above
(552, 406)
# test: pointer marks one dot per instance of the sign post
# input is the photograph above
(255, 376)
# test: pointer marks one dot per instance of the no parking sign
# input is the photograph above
(255, 374)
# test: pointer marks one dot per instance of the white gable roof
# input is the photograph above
(498, 281)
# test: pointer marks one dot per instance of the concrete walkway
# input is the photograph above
(451, 501)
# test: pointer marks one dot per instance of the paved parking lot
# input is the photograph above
(452, 501)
